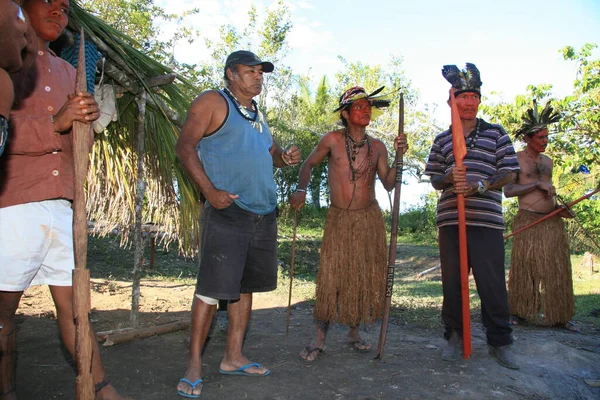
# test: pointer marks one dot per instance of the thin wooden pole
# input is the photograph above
(289, 308)
(139, 242)
(459, 150)
(399, 162)
(552, 214)
(84, 384)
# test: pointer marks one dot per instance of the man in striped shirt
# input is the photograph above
(490, 163)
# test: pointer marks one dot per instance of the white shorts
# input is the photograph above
(36, 245)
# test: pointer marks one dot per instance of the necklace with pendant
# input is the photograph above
(257, 121)
(352, 149)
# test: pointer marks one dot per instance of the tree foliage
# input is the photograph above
(298, 109)
(573, 141)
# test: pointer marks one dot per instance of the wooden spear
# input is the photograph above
(399, 162)
(289, 308)
(84, 385)
(459, 149)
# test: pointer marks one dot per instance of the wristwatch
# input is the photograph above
(481, 187)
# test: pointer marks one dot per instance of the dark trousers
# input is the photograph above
(485, 249)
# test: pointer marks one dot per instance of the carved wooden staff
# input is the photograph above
(399, 161)
(459, 149)
(84, 386)
(289, 308)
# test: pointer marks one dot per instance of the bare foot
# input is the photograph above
(191, 383)
(235, 365)
(310, 353)
(108, 392)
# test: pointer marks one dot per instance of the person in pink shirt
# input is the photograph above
(36, 191)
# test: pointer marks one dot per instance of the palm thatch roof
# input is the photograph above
(171, 200)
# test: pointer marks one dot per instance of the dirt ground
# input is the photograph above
(555, 363)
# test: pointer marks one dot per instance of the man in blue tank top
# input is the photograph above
(226, 130)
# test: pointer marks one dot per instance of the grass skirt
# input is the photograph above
(352, 267)
(540, 279)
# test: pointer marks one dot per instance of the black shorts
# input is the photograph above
(238, 253)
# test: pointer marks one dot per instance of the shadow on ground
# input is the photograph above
(554, 363)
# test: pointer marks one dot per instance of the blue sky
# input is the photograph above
(513, 42)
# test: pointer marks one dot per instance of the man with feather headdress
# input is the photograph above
(489, 164)
(540, 278)
(353, 262)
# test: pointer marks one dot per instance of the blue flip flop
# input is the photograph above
(192, 385)
(242, 371)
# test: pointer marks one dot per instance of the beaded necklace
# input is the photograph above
(352, 149)
(257, 121)
(356, 146)
(473, 140)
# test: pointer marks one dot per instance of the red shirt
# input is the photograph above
(37, 164)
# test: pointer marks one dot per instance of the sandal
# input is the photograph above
(360, 345)
(309, 350)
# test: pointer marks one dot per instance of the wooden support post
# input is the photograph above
(84, 385)
(138, 239)
(152, 251)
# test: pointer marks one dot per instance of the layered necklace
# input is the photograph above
(257, 121)
(353, 147)
(473, 140)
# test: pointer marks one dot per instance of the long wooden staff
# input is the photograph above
(84, 385)
(552, 214)
(399, 161)
(459, 149)
(289, 308)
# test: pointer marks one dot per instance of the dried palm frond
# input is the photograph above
(171, 200)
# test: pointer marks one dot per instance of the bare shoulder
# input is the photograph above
(378, 146)
(210, 100)
(333, 137)
(206, 113)
(377, 143)
(545, 159)
(521, 155)
(337, 134)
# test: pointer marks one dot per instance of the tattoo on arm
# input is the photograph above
(500, 179)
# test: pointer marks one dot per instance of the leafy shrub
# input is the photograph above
(419, 221)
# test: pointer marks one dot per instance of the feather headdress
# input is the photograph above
(355, 93)
(534, 121)
(467, 80)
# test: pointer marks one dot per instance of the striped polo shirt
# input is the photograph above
(489, 150)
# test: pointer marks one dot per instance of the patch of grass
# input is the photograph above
(586, 285)
(108, 260)
(416, 301)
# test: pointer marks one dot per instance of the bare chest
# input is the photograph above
(535, 169)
